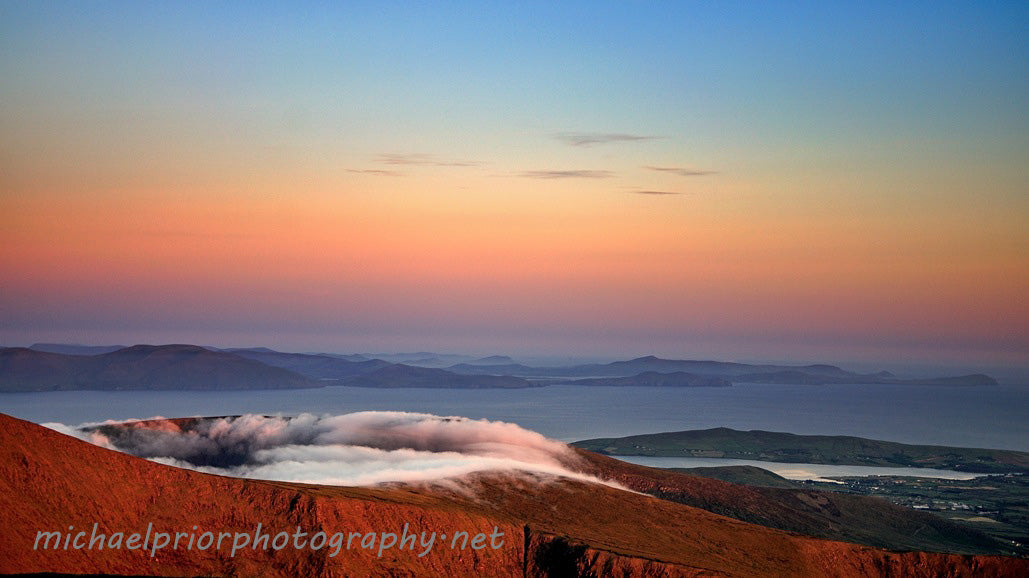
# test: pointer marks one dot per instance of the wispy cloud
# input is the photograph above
(585, 139)
(654, 193)
(423, 160)
(364, 448)
(376, 172)
(682, 172)
(575, 174)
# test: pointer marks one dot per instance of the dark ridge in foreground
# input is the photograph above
(553, 527)
(868, 521)
(811, 449)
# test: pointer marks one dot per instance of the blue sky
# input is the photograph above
(849, 180)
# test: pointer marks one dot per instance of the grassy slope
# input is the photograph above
(49, 480)
(860, 519)
(791, 448)
(746, 475)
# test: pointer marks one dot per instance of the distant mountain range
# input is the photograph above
(51, 366)
(186, 367)
(643, 368)
(400, 375)
(72, 349)
(318, 366)
(655, 379)
(165, 367)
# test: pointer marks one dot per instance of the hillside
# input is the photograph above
(191, 367)
(655, 379)
(164, 367)
(812, 449)
(551, 528)
(867, 521)
(312, 365)
(73, 349)
(829, 515)
(653, 364)
(745, 475)
(492, 360)
(184, 367)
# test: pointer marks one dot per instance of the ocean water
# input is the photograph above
(992, 417)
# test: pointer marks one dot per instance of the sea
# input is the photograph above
(986, 417)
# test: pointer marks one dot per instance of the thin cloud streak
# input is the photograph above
(655, 193)
(572, 174)
(585, 139)
(422, 160)
(682, 172)
(376, 172)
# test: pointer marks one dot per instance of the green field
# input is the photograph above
(791, 448)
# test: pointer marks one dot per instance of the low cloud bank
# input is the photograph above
(364, 448)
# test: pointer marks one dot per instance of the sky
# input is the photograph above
(803, 181)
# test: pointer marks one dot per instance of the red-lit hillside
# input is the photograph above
(49, 481)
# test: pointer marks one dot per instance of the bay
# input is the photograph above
(799, 471)
(989, 417)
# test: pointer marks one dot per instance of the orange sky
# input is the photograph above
(253, 191)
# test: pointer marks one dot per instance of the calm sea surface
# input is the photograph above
(992, 417)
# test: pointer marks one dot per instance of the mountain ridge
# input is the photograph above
(150, 367)
(27, 369)
(562, 527)
(814, 374)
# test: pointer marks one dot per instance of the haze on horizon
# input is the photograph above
(785, 182)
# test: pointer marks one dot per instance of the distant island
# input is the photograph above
(655, 379)
(644, 368)
(54, 366)
(812, 449)
(190, 367)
